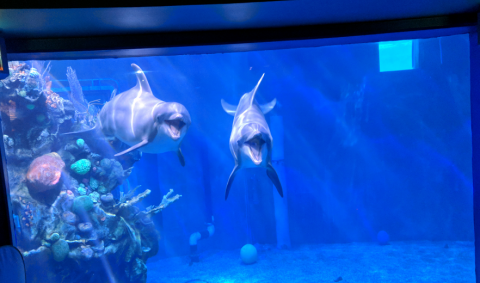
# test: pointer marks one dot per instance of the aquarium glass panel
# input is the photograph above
(288, 165)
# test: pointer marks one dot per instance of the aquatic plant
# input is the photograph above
(76, 93)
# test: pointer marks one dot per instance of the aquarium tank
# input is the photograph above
(348, 163)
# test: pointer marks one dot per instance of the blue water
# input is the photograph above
(363, 151)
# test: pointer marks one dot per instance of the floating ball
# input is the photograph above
(383, 238)
(248, 253)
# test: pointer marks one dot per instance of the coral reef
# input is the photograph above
(44, 172)
(81, 167)
(66, 216)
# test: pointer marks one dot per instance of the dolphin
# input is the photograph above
(251, 141)
(144, 122)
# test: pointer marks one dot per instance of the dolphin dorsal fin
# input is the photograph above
(254, 91)
(267, 107)
(141, 79)
(230, 109)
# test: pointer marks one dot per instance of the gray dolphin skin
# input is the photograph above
(251, 141)
(144, 122)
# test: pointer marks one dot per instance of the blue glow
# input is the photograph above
(396, 55)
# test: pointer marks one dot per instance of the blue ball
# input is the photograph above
(248, 253)
(383, 238)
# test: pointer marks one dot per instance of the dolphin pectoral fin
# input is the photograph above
(230, 109)
(230, 181)
(268, 106)
(81, 132)
(180, 157)
(138, 145)
(272, 174)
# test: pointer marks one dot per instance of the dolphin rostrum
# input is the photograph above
(251, 141)
(144, 122)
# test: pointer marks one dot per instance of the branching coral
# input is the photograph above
(166, 201)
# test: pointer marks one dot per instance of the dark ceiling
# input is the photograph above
(38, 23)
(48, 30)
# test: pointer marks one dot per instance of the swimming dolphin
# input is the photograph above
(251, 141)
(144, 122)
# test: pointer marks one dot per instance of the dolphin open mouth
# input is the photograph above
(175, 126)
(255, 145)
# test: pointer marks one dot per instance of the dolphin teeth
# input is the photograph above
(255, 148)
(175, 127)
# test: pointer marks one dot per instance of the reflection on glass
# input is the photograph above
(119, 168)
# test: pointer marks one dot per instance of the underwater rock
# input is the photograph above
(8, 141)
(60, 250)
(85, 227)
(69, 218)
(71, 147)
(44, 173)
(64, 201)
(81, 253)
(82, 204)
(107, 198)
(102, 190)
(81, 167)
(106, 164)
(37, 256)
(67, 157)
(23, 154)
(53, 237)
(115, 177)
(80, 143)
(99, 172)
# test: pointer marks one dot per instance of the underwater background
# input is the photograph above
(362, 151)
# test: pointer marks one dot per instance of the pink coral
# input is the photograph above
(45, 171)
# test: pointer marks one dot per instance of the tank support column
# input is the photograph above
(475, 115)
(281, 204)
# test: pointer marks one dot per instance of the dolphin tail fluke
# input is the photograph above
(180, 157)
(230, 109)
(138, 145)
(230, 181)
(272, 174)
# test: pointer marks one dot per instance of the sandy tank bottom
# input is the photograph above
(420, 261)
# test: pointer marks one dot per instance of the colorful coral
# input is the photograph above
(80, 143)
(80, 221)
(45, 171)
(93, 183)
(81, 167)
